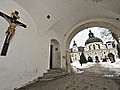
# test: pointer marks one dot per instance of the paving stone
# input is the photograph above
(92, 79)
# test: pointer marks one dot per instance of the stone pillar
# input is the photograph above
(68, 66)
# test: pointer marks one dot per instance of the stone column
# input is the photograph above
(68, 66)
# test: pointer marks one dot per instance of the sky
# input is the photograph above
(82, 36)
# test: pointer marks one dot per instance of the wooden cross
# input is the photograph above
(13, 22)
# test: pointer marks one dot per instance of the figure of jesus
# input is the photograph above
(13, 22)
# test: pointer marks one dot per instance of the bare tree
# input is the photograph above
(108, 35)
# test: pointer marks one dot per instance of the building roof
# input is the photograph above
(92, 38)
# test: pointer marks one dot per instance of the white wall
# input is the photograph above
(28, 54)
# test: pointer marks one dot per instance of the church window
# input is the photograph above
(89, 48)
(113, 44)
(74, 50)
(75, 57)
(106, 46)
(94, 46)
(98, 46)
(72, 55)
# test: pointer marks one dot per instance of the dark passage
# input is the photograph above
(51, 55)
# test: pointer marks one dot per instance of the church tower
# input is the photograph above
(75, 55)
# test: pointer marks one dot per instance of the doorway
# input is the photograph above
(55, 57)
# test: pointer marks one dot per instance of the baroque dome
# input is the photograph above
(92, 40)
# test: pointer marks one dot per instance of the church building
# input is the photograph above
(76, 52)
(95, 49)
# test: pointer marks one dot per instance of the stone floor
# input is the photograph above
(94, 78)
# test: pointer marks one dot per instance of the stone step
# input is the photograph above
(48, 78)
(53, 74)
(55, 70)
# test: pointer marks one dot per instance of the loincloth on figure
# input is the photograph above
(10, 30)
(10, 33)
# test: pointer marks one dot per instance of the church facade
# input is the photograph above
(76, 52)
(95, 49)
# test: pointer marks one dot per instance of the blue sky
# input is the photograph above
(82, 36)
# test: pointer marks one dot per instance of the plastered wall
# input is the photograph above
(28, 53)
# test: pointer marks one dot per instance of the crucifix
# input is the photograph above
(13, 22)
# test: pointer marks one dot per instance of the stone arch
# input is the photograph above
(96, 23)
(86, 25)
(55, 57)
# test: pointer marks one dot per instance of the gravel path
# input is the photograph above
(94, 78)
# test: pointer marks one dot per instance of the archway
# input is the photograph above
(102, 24)
(86, 25)
(55, 57)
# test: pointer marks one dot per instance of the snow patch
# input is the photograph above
(78, 65)
(112, 66)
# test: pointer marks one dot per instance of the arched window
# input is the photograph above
(75, 57)
(93, 46)
(74, 50)
(98, 46)
(89, 48)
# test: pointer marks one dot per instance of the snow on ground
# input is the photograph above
(85, 65)
(76, 66)
(112, 66)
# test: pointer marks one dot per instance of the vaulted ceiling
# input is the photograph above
(65, 14)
